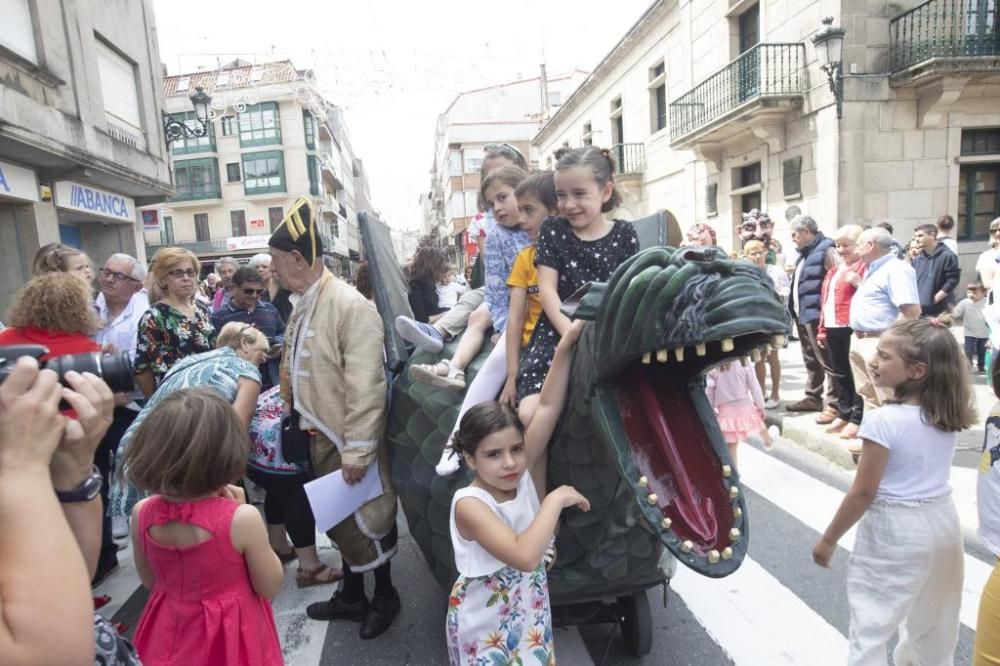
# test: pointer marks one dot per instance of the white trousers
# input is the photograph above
(489, 380)
(906, 572)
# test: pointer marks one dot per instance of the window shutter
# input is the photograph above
(118, 85)
(17, 32)
(791, 177)
(711, 195)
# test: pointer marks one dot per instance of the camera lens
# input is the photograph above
(115, 369)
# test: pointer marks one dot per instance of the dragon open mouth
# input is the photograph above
(691, 496)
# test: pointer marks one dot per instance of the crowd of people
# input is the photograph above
(274, 372)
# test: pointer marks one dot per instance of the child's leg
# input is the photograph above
(970, 350)
(981, 353)
(893, 559)
(930, 631)
(732, 446)
(453, 322)
(761, 369)
(486, 386)
(472, 341)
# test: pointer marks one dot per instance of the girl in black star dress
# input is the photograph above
(579, 247)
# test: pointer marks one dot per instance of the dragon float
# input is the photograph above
(637, 436)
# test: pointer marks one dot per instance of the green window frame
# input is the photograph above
(309, 123)
(264, 172)
(312, 168)
(259, 125)
(167, 231)
(233, 172)
(229, 127)
(188, 144)
(197, 179)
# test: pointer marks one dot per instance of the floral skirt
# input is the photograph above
(503, 618)
(738, 420)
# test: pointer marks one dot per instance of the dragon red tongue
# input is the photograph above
(696, 512)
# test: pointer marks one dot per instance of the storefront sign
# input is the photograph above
(257, 225)
(151, 220)
(90, 200)
(17, 182)
(247, 242)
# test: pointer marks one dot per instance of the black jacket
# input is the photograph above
(424, 300)
(937, 272)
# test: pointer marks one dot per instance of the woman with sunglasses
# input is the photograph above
(231, 371)
(175, 325)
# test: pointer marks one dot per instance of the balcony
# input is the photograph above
(753, 92)
(124, 132)
(630, 159)
(944, 37)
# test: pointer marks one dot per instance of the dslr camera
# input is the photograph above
(115, 369)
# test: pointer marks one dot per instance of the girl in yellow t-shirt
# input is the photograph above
(536, 200)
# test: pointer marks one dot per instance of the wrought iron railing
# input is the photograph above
(766, 70)
(629, 158)
(944, 29)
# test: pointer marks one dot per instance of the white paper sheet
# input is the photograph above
(332, 499)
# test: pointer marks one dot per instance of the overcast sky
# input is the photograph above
(394, 65)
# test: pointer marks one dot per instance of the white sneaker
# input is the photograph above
(448, 464)
(771, 404)
(774, 433)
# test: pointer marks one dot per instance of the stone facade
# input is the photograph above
(749, 107)
(68, 75)
(273, 139)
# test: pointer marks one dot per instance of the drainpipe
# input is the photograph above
(543, 84)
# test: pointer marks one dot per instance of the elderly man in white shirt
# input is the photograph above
(887, 292)
(120, 305)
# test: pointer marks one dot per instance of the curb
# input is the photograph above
(803, 430)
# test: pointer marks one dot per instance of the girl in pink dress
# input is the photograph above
(735, 394)
(201, 550)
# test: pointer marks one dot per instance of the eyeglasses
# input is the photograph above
(181, 273)
(994, 230)
(115, 276)
(253, 292)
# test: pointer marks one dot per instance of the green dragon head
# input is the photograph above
(664, 319)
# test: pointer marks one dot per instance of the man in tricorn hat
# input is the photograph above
(332, 376)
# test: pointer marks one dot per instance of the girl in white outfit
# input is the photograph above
(906, 570)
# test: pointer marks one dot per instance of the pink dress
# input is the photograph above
(203, 608)
(736, 396)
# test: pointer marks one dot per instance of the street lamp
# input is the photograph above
(174, 129)
(829, 43)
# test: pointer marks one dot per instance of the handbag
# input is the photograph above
(294, 440)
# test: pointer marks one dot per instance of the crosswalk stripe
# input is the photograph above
(757, 620)
(814, 503)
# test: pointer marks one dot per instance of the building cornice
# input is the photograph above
(621, 50)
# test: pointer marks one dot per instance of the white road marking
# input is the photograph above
(814, 503)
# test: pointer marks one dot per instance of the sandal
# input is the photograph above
(286, 557)
(428, 374)
(322, 575)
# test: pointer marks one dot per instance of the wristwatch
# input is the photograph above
(88, 489)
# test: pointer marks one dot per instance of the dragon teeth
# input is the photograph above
(737, 512)
(699, 349)
(679, 353)
(755, 355)
(778, 341)
(666, 523)
(651, 498)
(643, 482)
(713, 556)
(734, 492)
(734, 534)
(727, 553)
(768, 349)
(687, 546)
(647, 358)
(727, 471)
(727, 344)
(663, 355)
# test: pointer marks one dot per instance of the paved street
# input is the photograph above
(777, 609)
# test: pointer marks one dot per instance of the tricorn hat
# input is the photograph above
(297, 231)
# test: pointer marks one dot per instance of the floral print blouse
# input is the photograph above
(166, 335)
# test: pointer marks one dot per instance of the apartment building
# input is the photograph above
(81, 141)
(272, 139)
(506, 113)
(716, 107)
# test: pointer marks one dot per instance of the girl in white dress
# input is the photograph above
(498, 610)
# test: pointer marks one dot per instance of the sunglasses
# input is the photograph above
(502, 149)
(994, 230)
(253, 292)
(181, 273)
(115, 276)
